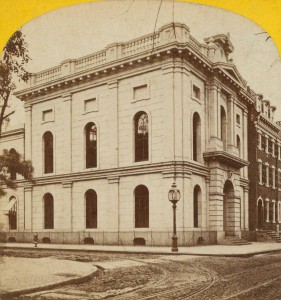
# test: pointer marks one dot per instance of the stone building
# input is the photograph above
(264, 146)
(110, 132)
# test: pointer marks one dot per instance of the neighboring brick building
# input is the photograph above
(265, 166)
(109, 133)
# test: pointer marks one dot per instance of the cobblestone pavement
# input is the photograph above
(171, 277)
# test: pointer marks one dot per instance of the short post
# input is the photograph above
(174, 196)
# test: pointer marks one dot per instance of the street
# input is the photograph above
(136, 276)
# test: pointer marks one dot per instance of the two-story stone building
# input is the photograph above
(110, 132)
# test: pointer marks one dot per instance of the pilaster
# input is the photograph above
(178, 111)
(113, 159)
(67, 116)
(214, 119)
(68, 205)
(113, 216)
(168, 112)
(245, 141)
(28, 132)
(28, 208)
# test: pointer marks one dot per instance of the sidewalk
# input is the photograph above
(25, 275)
(212, 250)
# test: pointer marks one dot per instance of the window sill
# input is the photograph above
(48, 174)
(89, 111)
(140, 99)
(45, 122)
(141, 229)
(142, 162)
(91, 229)
(196, 99)
(91, 169)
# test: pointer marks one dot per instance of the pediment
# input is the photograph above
(232, 71)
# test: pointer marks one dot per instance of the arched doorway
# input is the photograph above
(228, 209)
(260, 214)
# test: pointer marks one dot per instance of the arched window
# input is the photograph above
(238, 144)
(48, 141)
(91, 145)
(13, 173)
(13, 213)
(141, 136)
(141, 207)
(91, 209)
(196, 137)
(48, 211)
(223, 127)
(197, 207)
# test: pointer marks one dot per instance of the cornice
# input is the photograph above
(225, 158)
(265, 122)
(111, 71)
(180, 168)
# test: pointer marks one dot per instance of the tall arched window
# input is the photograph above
(197, 207)
(48, 211)
(196, 137)
(141, 136)
(91, 209)
(13, 173)
(223, 127)
(238, 144)
(91, 145)
(141, 207)
(13, 213)
(48, 141)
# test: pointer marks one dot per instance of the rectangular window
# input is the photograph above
(270, 176)
(273, 149)
(276, 150)
(269, 146)
(90, 105)
(260, 172)
(263, 142)
(140, 92)
(273, 178)
(47, 115)
(238, 120)
(264, 174)
(267, 175)
(196, 92)
(259, 141)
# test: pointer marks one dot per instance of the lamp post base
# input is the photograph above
(175, 244)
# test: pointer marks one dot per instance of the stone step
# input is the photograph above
(234, 241)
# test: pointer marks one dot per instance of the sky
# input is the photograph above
(75, 31)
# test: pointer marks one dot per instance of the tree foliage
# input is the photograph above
(12, 68)
(12, 162)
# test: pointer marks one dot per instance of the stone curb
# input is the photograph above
(15, 293)
(245, 255)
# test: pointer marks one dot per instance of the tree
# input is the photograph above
(11, 162)
(12, 68)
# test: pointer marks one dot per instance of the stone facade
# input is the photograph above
(195, 105)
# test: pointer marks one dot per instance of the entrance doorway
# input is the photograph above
(228, 209)
(260, 214)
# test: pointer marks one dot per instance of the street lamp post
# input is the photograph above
(174, 196)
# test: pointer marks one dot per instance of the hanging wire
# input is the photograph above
(155, 25)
